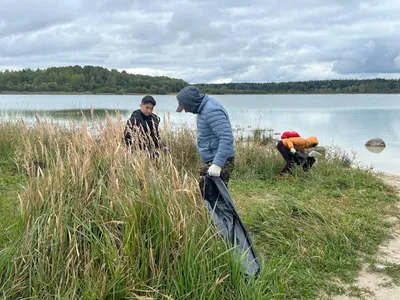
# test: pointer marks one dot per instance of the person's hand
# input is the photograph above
(293, 150)
(166, 149)
(214, 170)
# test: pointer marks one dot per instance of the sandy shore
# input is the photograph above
(372, 283)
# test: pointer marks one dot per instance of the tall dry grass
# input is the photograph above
(101, 222)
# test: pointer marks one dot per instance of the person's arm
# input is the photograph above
(158, 143)
(130, 129)
(127, 133)
(289, 143)
(221, 127)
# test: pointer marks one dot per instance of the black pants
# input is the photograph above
(303, 160)
(299, 158)
(287, 156)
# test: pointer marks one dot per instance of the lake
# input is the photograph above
(346, 121)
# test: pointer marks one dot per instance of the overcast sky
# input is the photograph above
(207, 40)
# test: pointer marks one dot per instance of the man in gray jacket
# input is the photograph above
(215, 141)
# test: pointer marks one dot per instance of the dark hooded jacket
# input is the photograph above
(141, 131)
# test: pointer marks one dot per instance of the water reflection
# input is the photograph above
(65, 115)
(375, 149)
(316, 118)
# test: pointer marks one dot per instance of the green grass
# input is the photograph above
(11, 182)
(319, 225)
(94, 222)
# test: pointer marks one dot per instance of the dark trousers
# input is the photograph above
(299, 158)
(226, 171)
(287, 156)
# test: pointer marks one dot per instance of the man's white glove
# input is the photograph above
(214, 170)
(293, 150)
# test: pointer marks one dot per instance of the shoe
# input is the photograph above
(281, 175)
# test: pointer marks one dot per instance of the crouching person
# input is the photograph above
(289, 146)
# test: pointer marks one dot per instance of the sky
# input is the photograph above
(207, 41)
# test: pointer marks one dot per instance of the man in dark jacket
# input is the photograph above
(141, 130)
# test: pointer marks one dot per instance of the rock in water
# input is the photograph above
(377, 142)
(375, 145)
(314, 154)
(319, 149)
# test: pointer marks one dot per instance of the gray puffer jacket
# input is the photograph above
(215, 140)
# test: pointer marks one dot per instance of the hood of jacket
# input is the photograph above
(311, 141)
(190, 98)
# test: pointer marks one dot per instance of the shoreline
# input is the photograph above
(169, 94)
(74, 93)
(387, 175)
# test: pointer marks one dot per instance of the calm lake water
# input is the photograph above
(346, 121)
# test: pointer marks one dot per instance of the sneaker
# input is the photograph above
(282, 175)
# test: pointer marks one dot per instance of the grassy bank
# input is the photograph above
(91, 221)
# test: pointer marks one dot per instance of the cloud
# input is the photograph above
(371, 56)
(30, 16)
(207, 41)
(53, 41)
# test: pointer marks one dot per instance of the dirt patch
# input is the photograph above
(393, 180)
(372, 283)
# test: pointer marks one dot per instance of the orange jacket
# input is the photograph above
(300, 143)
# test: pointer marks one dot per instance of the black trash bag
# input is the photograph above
(303, 160)
(228, 223)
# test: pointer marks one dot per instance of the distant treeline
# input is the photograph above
(87, 79)
(385, 86)
(90, 79)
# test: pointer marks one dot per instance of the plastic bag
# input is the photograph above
(228, 223)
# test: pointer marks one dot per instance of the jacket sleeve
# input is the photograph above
(289, 143)
(157, 139)
(129, 128)
(127, 133)
(221, 127)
